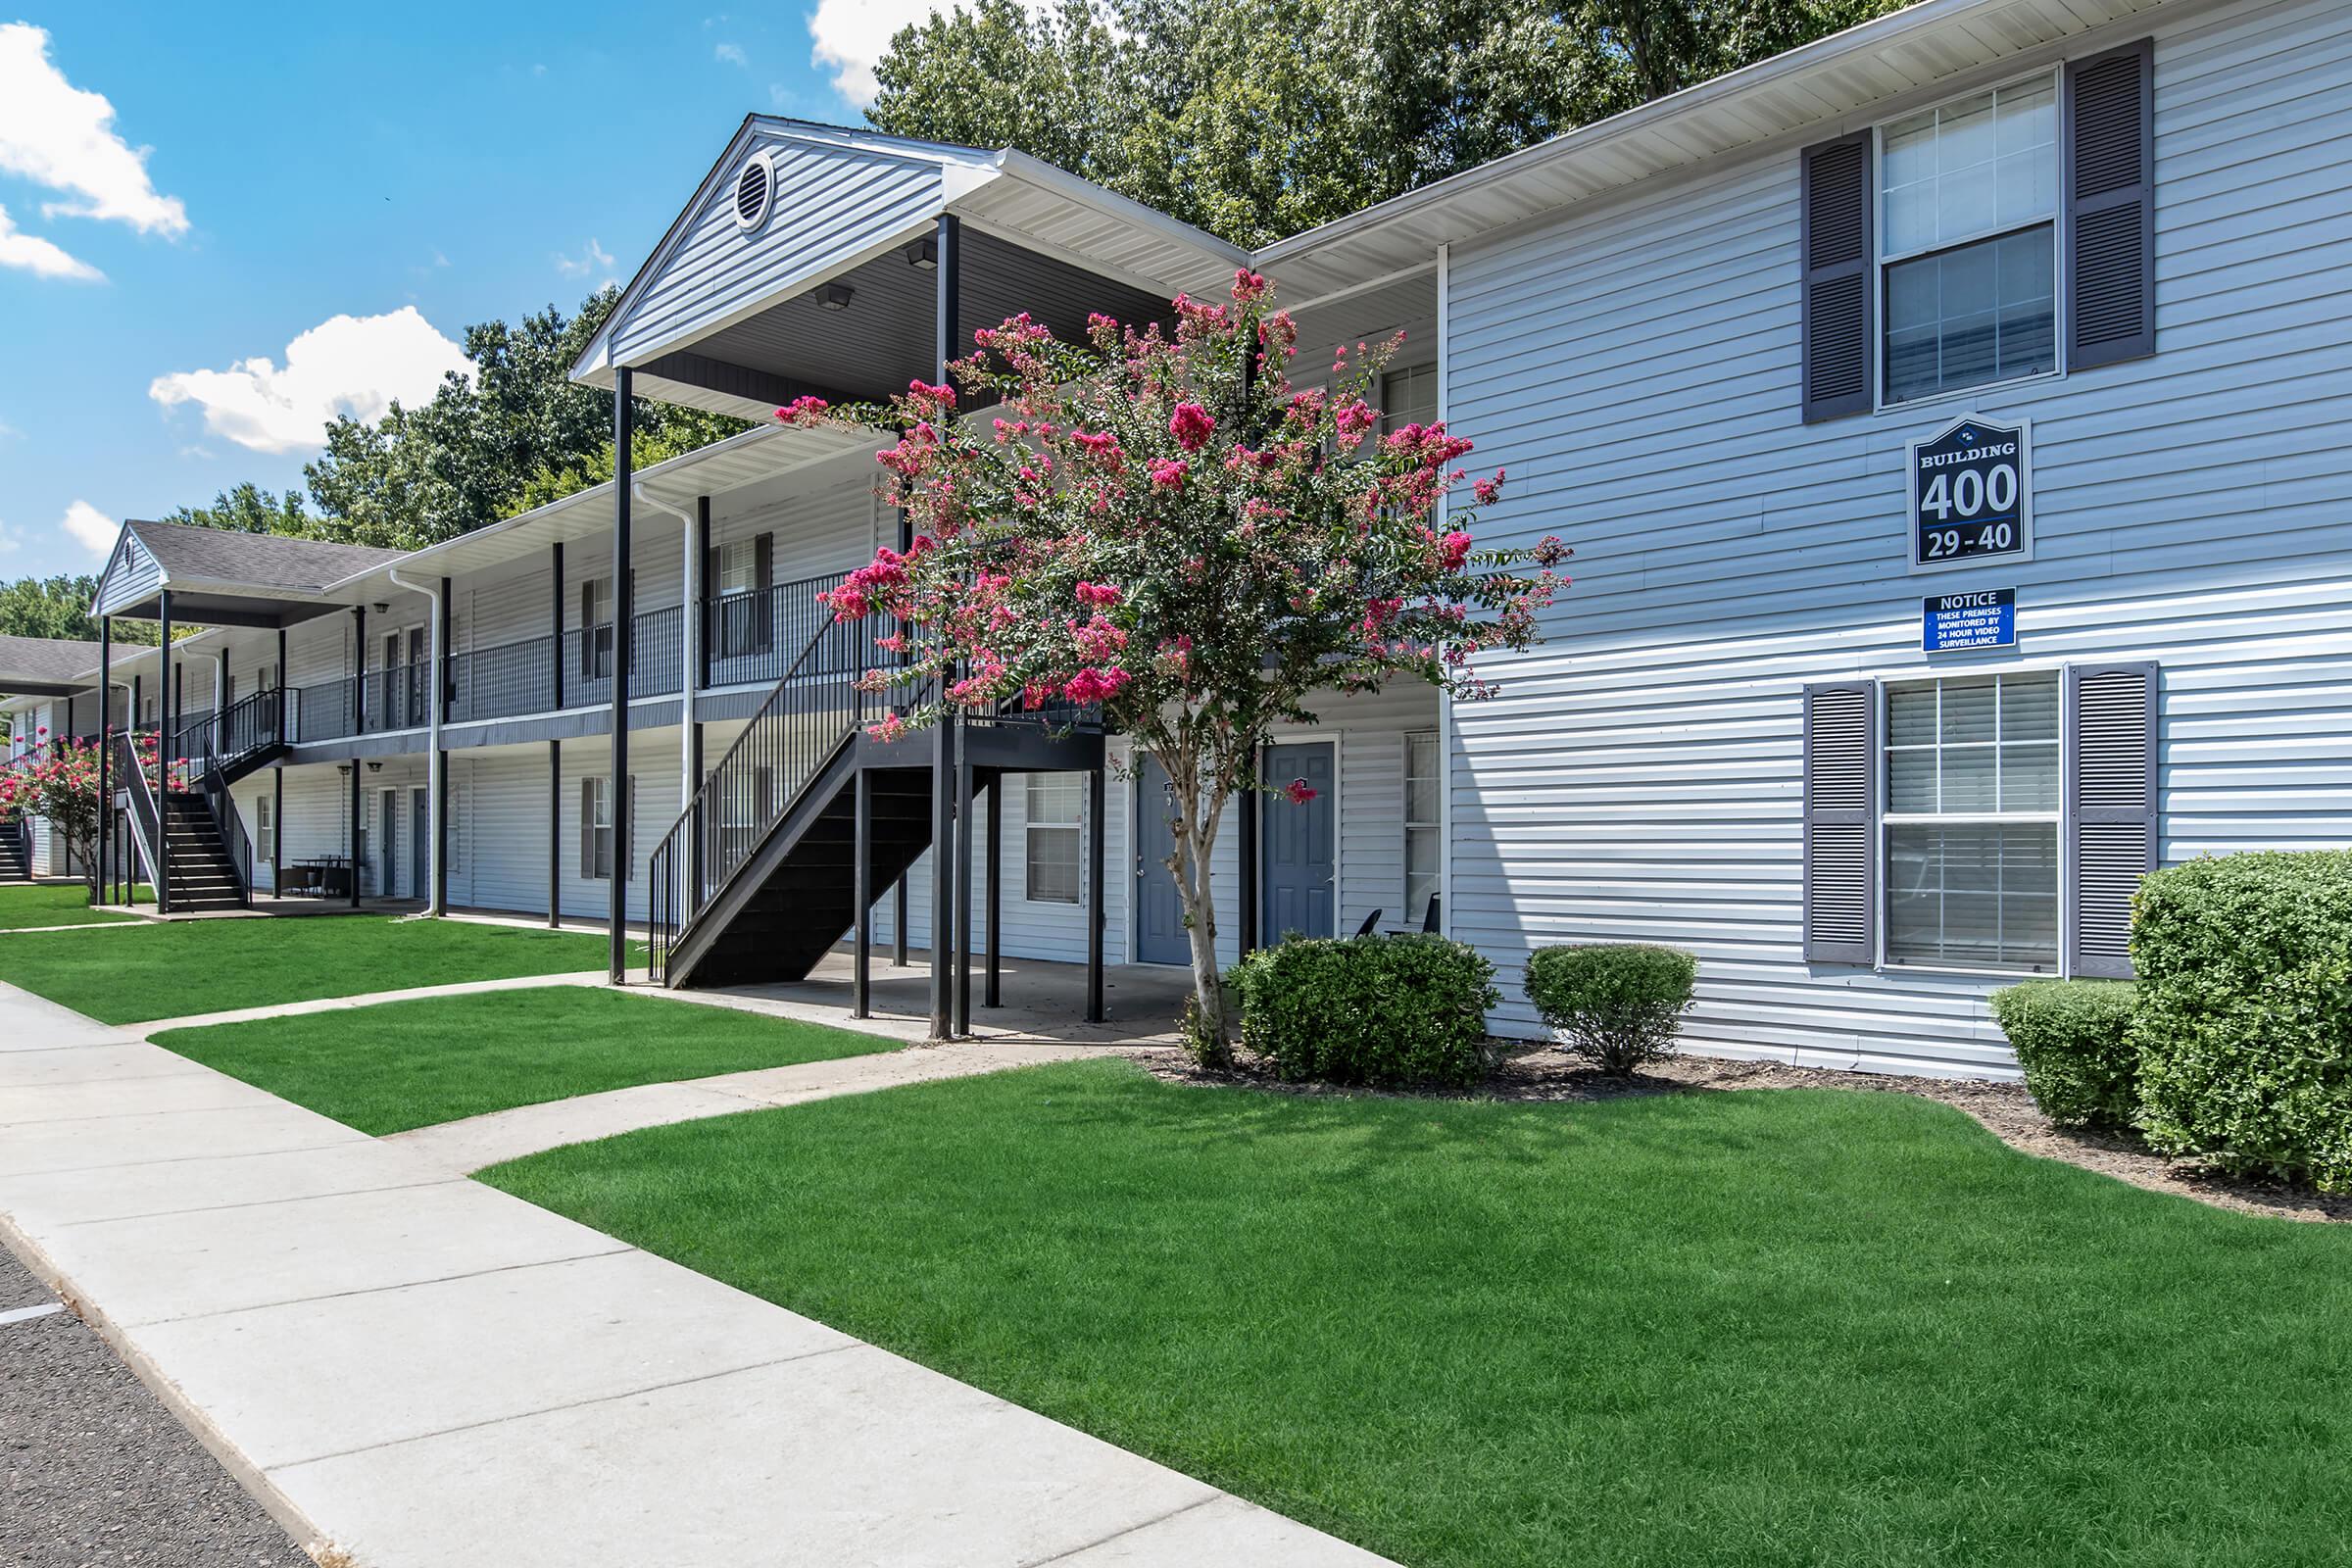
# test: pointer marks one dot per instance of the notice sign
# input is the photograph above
(1972, 495)
(1986, 618)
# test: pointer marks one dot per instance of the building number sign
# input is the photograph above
(1972, 495)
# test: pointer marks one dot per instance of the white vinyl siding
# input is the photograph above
(1634, 364)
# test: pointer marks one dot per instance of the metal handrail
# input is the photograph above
(804, 718)
(214, 783)
(146, 816)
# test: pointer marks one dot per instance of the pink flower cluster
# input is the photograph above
(1092, 685)
(1190, 426)
(1167, 473)
(802, 410)
(1102, 595)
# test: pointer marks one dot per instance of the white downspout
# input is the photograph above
(434, 763)
(1446, 911)
(691, 629)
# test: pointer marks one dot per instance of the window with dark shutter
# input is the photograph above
(1835, 247)
(588, 829)
(2111, 227)
(628, 855)
(1842, 803)
(763, 571)
(2110, 810)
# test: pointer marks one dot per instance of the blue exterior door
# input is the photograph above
(1299, 844)
(1159, 934)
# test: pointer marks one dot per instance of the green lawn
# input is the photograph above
(401, 1064)
(169, 971)
(38, 904)
(1767, 1328)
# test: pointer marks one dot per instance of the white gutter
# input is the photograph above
(436, 762)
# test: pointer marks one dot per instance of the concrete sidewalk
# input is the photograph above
(418, 1370)
(468, 1146)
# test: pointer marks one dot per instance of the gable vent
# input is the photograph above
(754, 192)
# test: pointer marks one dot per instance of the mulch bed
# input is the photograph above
(2005, 1110)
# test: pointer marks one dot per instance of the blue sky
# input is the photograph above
(307, 164)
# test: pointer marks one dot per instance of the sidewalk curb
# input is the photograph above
(298, 1525)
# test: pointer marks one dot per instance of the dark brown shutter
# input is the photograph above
(587, 830)
(763, 565)
(1842, 816)
(1835, 241)
(2110, 810)
(2110, 201)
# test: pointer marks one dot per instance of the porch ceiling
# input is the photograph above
(882, 337)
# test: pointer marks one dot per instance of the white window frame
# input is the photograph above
(1075, 828)
(1436, 739)
(1408, 374)
(1888, 817)
(600, 827)
(747, 566)
(1879, 260)
(264, 829)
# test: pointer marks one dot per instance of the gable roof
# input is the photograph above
(187, 553)
(870, 192)
(46, 666)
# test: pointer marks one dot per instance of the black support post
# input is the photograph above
(106, 797)
(701, 609)
(624, 610)
(556, 620)
(1249, 802)
(358, 673)
(993, 890)
(440, 700)
(277, 822)
(963, 897)
(555, 831)
(861, 978)
(943, 877)
(1097, 821)
(355, 832)
(165, 719)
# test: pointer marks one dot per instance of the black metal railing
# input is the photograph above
(397, 696)
(145, 816)
(753, 638)
(811, 713)
(213, 782)
(325, 711)
(503, 682)
(250, 725)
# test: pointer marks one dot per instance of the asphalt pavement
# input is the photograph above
(94, 1471)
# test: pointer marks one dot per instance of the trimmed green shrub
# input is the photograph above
(1390, 1012)
(2244, 1022)
(2074, 1040)
(1619, 1005)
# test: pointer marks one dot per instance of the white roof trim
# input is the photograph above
(1701, 122)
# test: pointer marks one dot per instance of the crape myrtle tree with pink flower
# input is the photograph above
(1168, 526)
(57, 781)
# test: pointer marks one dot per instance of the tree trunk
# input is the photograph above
(1195, 843)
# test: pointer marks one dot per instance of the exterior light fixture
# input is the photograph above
(923, 253)
(375, 768)
(836, 297)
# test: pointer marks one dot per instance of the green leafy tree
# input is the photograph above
(59, 607)
(249, 509)
(1256, 119)
(468, 457)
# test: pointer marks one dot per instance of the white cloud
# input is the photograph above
(30, 253)
(595, 259)
(355, 365)
(90, 528)
(852, 36)
(731, 54)
(64, 137)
